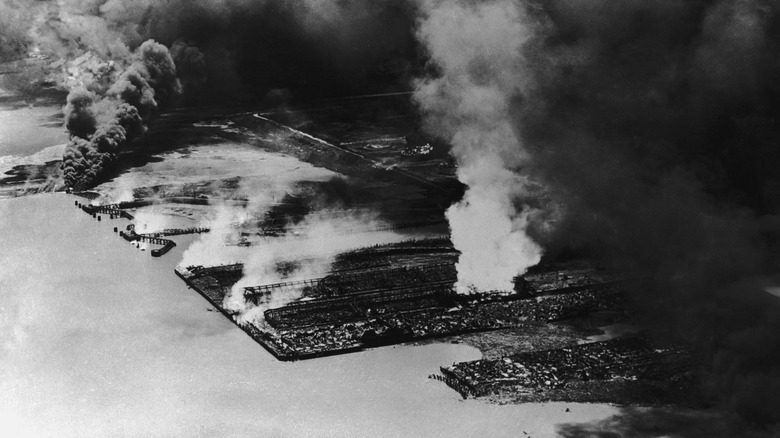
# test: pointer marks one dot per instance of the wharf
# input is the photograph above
(629, 369)
(215, 296)
(369, 318)
(115, 211)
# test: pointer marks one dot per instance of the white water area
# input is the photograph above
(30, 134)
(101, 339)
(43, 121)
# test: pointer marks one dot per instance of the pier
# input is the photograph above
(114, 211)
(367, 313)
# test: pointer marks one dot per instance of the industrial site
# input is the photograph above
(330, 218)
(396, 282)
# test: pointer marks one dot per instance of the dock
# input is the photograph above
(362, 315)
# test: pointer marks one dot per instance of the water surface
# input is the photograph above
(26, 130)
(100, 339)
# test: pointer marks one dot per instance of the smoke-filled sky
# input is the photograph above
(320, 47)
(644, 134)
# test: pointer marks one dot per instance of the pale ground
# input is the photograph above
(261, 173)
(263, 178)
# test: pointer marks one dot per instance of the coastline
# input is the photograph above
(113, 308)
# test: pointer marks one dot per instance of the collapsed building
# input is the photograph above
(390, 294)
(627, 369)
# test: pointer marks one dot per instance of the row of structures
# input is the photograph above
(132, 236)
(338, 329)
(349, 320)
(114, 212)
(359, 306)
(326, 338)
(464, 390)
(172, 200)
(350, 296)
(110, 210)
(540, 374)
(358, 282)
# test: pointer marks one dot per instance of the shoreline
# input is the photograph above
(154, 345)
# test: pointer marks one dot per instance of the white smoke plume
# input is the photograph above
(477, 51)
(122, 189)
(213, 248)
(210, 248)
(311, 246)
(151, 219)
(261, 193)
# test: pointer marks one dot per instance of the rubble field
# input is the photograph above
(626, 370)
(392, 294)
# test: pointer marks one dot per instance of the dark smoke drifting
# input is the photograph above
(230, 48)
(643, 133)
(224, 51)
(652, 127)
(101, 123)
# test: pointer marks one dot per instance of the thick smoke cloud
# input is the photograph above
(476, 50)
(191, 68)
(643, 133)
(224, 50)
(101, 124)
(652, 128)
(657, 133)
(314, 47)
(80, 117)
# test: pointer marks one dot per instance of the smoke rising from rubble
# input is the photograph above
(311, 245)
(652, 127)
(644, 133)
(477, 52)
(211, 249)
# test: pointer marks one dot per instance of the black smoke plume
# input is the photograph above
(101, 124)
(653, 128)
(230, 49)
(225, 51)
